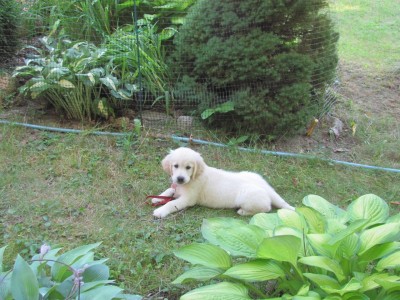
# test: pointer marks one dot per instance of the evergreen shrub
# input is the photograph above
(9, 20)
(272, 59)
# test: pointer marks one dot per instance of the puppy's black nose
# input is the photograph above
(180, 179)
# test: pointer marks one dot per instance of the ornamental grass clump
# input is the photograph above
(319, 251)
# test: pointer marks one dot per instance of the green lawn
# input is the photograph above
(369, 32)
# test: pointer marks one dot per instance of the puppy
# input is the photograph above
(193, 182)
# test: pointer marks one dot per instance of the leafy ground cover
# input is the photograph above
(68, 190)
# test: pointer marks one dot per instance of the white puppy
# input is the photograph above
(196, 183)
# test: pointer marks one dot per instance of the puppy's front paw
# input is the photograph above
(160, 213)
(155, 200)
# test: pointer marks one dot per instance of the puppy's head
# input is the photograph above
(183, 165)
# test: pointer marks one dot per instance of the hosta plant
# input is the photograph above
(75, 274)
(319, 251)
(73, 78)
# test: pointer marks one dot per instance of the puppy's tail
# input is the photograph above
(278, 201)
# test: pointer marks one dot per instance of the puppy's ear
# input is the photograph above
(199, 165)
(166, 164)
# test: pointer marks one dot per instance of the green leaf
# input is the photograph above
(316, 222)
(66, 84)
(321, 246)
(101, 293)
(223, 290)
(351, 229)
(325, 208)
(394, 219)
(256, 270)
(234, 236)
(379, 251)
(205, 254)
(199, 273)
(390, 284)
(38, 88)
(323, 281)
(60, 271)
(96, 272)
(110, 82)
(292, 219)
(369, 282)
(348, 247)
(24, 285)
(379, 235)
(221, 108)
(389, 262)
(325, 263)
(369, 207)
(280, 248)
(266, 221)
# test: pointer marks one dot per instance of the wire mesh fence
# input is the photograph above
(260, 67)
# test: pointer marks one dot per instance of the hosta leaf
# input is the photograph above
(24, 285)
(266, 221)
(389, 262)
(323, 281)
(204, 254)
(90, 285)
(109, 82)
(256, 270)
(327, 209)
(38, 88)
(167, 33)
(285, 230)
(379, 251)
(369, 207)
(57, 73)
(199, 273)
(223, 290)
(236, 237)
(96, 272)
(349, 246)
(349, 230)
(292, 219)
(60, 271)
(321, 246)
(66, 84)
(315, 221)
(330, 285)
(325, 263)
(379, 235)
(101, 293)
(280, 248)
(394, 219)
(390, 284)
(369, 282)
(392, 296)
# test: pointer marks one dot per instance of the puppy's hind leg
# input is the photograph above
(253, 201)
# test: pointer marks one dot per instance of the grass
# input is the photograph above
(71, 190)
(369, 32)
(74, 189)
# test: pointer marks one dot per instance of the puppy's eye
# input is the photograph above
(176, 166)
(188, 167)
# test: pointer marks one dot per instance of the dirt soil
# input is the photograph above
(373, 95)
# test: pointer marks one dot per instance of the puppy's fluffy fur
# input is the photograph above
(197, 183)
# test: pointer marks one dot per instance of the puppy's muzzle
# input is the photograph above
(180, 179)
